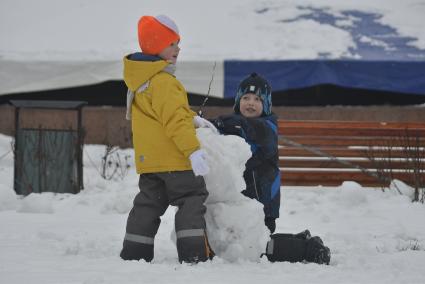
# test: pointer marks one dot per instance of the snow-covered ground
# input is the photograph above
(374, 236)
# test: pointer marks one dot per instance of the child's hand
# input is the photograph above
(198, 159)
(230, 125)
(201, 122)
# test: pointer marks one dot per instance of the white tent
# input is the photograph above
(50, 44)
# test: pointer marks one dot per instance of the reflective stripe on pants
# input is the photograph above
(139, 239)
(190, 233)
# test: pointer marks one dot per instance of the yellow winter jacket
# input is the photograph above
(162, 122)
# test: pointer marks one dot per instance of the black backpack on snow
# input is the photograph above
(297, 248)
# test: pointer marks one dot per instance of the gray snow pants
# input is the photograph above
(157, 191)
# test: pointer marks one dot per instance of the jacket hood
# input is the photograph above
(139, 68)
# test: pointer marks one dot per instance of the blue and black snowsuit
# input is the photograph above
(262, 175)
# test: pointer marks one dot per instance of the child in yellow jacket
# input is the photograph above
(168, 156)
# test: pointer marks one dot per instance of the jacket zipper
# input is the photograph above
(255, 186)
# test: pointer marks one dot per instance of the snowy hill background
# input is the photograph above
(50, 44)
(212, 30)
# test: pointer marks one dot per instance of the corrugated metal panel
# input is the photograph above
(46, 161)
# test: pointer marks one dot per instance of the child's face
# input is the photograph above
(171, 52)
(251, 105)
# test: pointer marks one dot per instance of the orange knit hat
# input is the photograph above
(156, 33)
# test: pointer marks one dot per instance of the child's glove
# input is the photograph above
(230, 125)
(199, 163)
(202, 122)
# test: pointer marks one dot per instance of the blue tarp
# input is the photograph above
(385, 60)
(393, 76)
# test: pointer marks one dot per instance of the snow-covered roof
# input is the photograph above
(51, 44)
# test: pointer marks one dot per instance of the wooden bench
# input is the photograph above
(370, 153)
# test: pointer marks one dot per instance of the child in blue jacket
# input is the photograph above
(254, 121)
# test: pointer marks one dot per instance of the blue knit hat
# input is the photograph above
(256, 84)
